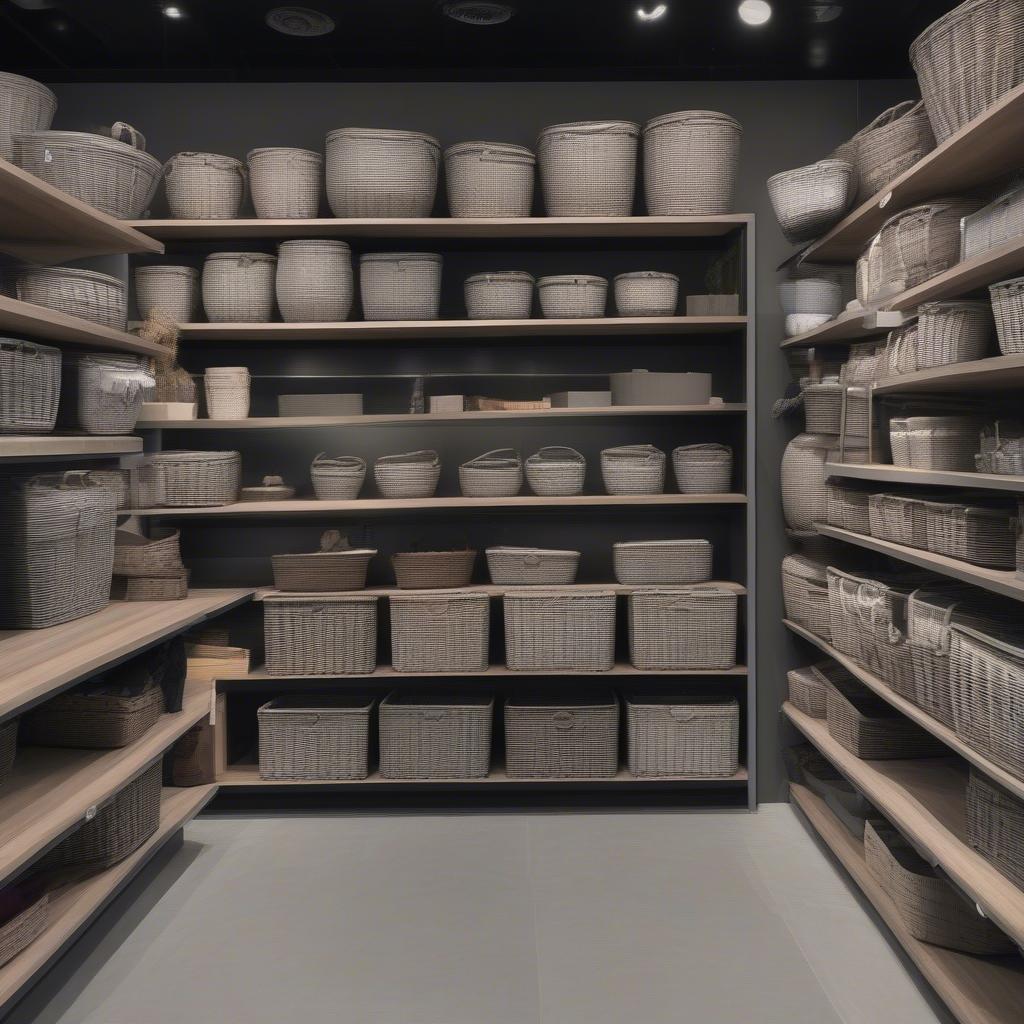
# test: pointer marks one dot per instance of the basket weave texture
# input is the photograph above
(556, 471)
(633, 469)
(286, 183)
(532, 566)
(188, 479)
(697, 737)
(30, 377)
(685, 629)
(572, 296)
(995, 825)
(439, 631)
(433, 570)
(702, 468)
(204, 186)
(25, 106)
(321, 636)
(495, 474)
(400, 285)
(22, 930)
(409, 475)
(98, 298)
(314, 280)
(568, 630)
(551, 737)
(505, 295)
(489, 179)
(647, 563)
(238, 287)
(339, 478)
(170, 290)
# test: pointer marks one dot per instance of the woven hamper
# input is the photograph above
(891, 144)
(227, 392)
(952, 332)
(633, 469)
(409, 475)
(971, 533)
(823, 407)
(400, 285)
(489, 179)
(556, 471)
(506, 295)
(170, 290)
(315, 738)
(433, 570)
(8, 747)
(435, 737)
(560, 630)
(30, 377)
(238, 287)
(807, 690)
(1008, 308)
(86, 294)
(204, 186)
(572, 296)
(334, 567)
(314, 280)
(337, 478)
(648, 563)
(702, 468)
(696, 737)
(683, 629)
(329, 635)
(995, 825)
(847, 507)
(513, 567)
(495, 474)
(588, 168)
(103, 394)
(562, 737)
(808, 200)
(805, 594)
(646, 293)
(286, 183)
(154, 556)
(30, 914)
(188, 479)
(899, 442)
(943, 442)
(439, 631)
(25, 106)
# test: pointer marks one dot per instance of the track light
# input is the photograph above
(653, 14)
(174, 13)
(755, 12)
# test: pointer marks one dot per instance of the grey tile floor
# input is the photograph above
(716, 918)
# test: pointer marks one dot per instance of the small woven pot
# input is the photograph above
(439, 631)
(204, 186)
(171, 291)
(513, 567)
(1008, 307)
(702, 468)
(662, 562)
(238, 287)
(410, 475)
(646, 293)
(633, 469)
(314, 281)
(99, 298)
(556, 471)
(337, 479)
(489, 179)
(495, 474)
(433, 570)
(286, 183)
(507, 295)
(400, 285)
(227, 392)
(572, 296)
(809, 200)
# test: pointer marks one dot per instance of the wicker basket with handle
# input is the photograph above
(439, 631)
(683, 629)
(695, 737)
(560, 737)
(556, 471)
(204, 186)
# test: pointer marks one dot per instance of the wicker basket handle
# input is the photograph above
(492, 156)
(433, 714)
(681, 714)
(307, 721)
(392, 460)
(77, 479)
(121, 131)
(531, 560)
(563, 720)
(550, 451)
(887, 117)
(510, 454)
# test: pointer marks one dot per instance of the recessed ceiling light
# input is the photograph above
(174, 13)
(478, 12)
(653, 14)
(299, 21)
(755, 12)
(821, 14)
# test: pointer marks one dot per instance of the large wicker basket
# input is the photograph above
(25, 106)
(694, 737)
(560, 630)
(572, 296)
(329, 635)
(953, 332)
(337, 479)
(439, 631)
(188, 479)
(633, 469)
(104, 393)
(495, 474)
(807, 687)
(238, 287)
(804, 487)
(896, 140)
(400, 285)
(556, 471)
(809, 200)
(648, 563)
(489, 179)
(409, 475)
(314, 280)
(204, 186)
(286, 183)
(559, 737)
(86, 294)
(849, 507)
(980, 535)
(1008, 307)
(433, 570)
(683, 629)
(512, 567)
(805, 594)
(30, 377)
(943, 442)
(995, 825)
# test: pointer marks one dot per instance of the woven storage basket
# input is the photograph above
(896, 140)
(943, 442)
(807, 689)
(1002, 448)
(696, 737)
(57, 549)
(702, 468)
(29, 386)
(433, 570)
(238, 287)
(999, 222)
(86, 294)
(646, 293)
(145, 588)
(496, 474)
(819, 294)
(1008, 307)
(187, 479)
(560, 630)
(662, 562)
(823, 407)
(331, 568)
(400, 285)
(106, 391)
(191, 758)
(562, 738)
(172, 291)
(116, 177)
(204, 186)
(507, 295)
(323, 737)
(588, 168)
(333, 635)
(971, 533)
(556, 471)
(28, 923)
(510, 567)
(489, 179)
(848, 507)
(25, 106)
(801, 323)
(683, 629)
(854, 431)
(952, 332)
(339, 478)
(8, 747)
(805, 594)
(808, 200)
(633, 469)
(899, 441)
(900, 354)
(930, 908)
(314, 280)
(153, 556)
(374, 172)
(435, 737)
(286, 183)
(227, 392)
(691, 159)
(804, 487)
(572, 296)
(439, 631)
(995, 825)
(410, 475)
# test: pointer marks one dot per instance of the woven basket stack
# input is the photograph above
(149, 568)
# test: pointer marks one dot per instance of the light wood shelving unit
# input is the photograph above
(998, 373)
(45, 446)
(847, 328)
(886, 474)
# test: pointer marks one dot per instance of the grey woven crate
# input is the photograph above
(511, 566)
(814, 294)
(25, 106)
(702, 468)
(646, 293)
(146, 588)
(683, 629)
(572, 296)
(204, 186)
(8, 747)
(807, 690)
(87, 294)
(339, 478)
(238, 287)
(502, 295)
(433, 570)
(495, 474)
(823, 407)
(953, 332)
(409, 475)
(898, 518)
(489, 179)
(21, 930)
(647, 563)
(694, 737)
(400, 285)
(314, 280)
(170, 290)
(848, 507)
(633, 469)
(808, 200)
(1008, 309)
(188, 479)
(980, 535)
(286, 183)
(439, 631)
(323, 737)
(995, 825)
(329, 635)
(103, 394)
(556, 471)
(560, 630)
(30, 377)
(562, 737)
(805, 594)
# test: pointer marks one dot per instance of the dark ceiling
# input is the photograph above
(130, 40)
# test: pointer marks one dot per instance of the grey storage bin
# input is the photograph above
(315, 738)
(646, 293)
(953, 332)
(349, 404)
(504, 295)
(327, 635)
(702, 468)
(238, 287)
(172, 291)
(25, 106)
(823, 407)
(648, 563)
(943, 442)
(804, 489)
(314, 280)
(693, 737)
(683, 629)
(805, 594)
(204, 186)
(286, 183)
(572, 296)
(562, 737)
(849, 507)
(556, 471)
(105, 391)
(188, 479)
(489, 179)
(400, 285)
(98, 298)
(808, 200)
(633, 469)
(439, 631)
(560, 630)
(409, 475)
(496, 474)
(807, 689)
(30, 377)
(646, 387)
(337, 479)
(818, 293)
(532, 566)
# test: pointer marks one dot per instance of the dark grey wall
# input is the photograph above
(785, 124)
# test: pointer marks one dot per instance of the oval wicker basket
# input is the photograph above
(512, 567)
(400, 285)
(506, 295)
(430, 570)
(25, 106)
(820, 294)
(896, 140)
(92, 296)
(204, 186)
(572, 296)
(170, 290)
(191, 479)
(808, 200)
(337, 479)
(314, 280)
(286, 183)
(158, 555)
(646, 293)
(489, 179)
(633, 469)
(331, 568)
(495, 474)
(556, 471)
(409, 475)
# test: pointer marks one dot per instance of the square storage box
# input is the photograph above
(692, 736)
(439, 631)
(560, 630)
(685, 628)
(323, 636)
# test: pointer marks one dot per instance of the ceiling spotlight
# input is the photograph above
(755, 12)
(653, 14)
(174, 13)
(478, 12)
(822, 14)
(299, 21)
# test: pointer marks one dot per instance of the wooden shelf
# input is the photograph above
(1006, 583)
(912, 711)
(847, 328)
(42, 224)
(38, 663)
(977, 990)
(73, 908)
(51, 790)
(926, 799)
(999, 373)
(925, 477)
(25, 446)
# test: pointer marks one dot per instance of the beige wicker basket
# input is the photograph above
(995, 825)
(495, 474)
(339, 478)
(25, 106)
(505, 295)
(804, 488)
(86, 294)
(848, 507)
(334, 567)
(409, 475)
(572, 296)
(30, 378)
(685, 629)
(29, 922)
(562, 737)
(400, 285)
(286, 183)
(556, 471)
(169, 290)
(693, 737)
(560, 630)
(238, 287)
(227, 392)
(805, 594)
(648, 563)
(808, 200)
(489, 179)
(702, 468)
(512, 567)
(633, 469)
(1008, 308)
(807, 689)
(8, 747)
(204, 186)
(157, 555)
(329, 635)
(646, 293)
(188, 479)
(314, 280)
(891, 144)
(439, 631)
(433, 570)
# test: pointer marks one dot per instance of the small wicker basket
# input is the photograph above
(633, 469)
(154, 556)
(30, 377)
(286, 183)
(1008, 308)
(648, 563)
(495, 474)
(30, 920)
(400, 285)
(572, 296)
(805, 594)
(314, 280)
(339, 478)
(433, 570)
(334, 567)
(646, 293)
(238, 287)
(995, 825)
(409, 475)
(505, 295)
(510, 567)
(188, 479)
(172, 291)
(809, 200)
(702, 468)
(556, 471)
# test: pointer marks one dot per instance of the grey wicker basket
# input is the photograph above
(560, 630)
(314, 280)
(433, 570)
(556, 471)
(204, 186)
(505, 295)
(1008, 308)
(808, 200)
(952, 332)
(105, 391)
(633, 469)
(648, 563)
(702, 468)
(30, 376)
(170, 290)
(86, 294)
(849, 507)
(409, 475)
(8, 747)
(439, 631)
(980, 535)
(646, 293)
(562, 737)
(147, 588)
(995, 825)
(805, 594)
(338, 478)
(25, 106)
(807, 690)
(332, 568)
(891, 144)
(995, 224)
(1002, 448)
(315, 738)
(189, 479)
(21, 930)
(489, 179)
(238, 287)
(572, 296)
(532, 566)
(817, 293)
(943, 442)
(400, 285)
(694, 737)
(804, 490)
(156, 555)
(683, 629)
(329, 635)
(286, 183)
(495, 474)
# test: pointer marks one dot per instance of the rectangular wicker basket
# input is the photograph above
(560, 630)
(697, 737)
(440, 631)
(332, 635)
(555, 737)
(686, 628)
(995, 825)
(21, 930)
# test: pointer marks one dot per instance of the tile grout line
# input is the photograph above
(533, 915)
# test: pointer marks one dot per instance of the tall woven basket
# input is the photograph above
(286, 183)
(170, 290)
(106, 391)
(227, 392)
(489, 179)
(238, 287)
(400, 285)
(204, 186)
(314, 280)
(25, 106)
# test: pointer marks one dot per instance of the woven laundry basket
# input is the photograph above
(646, 293)
(572, 296)
(25, 106)
(807, 688)
(930, 908)
(314, 280)
(891, 144)
(1008, 307)
(805, 594)
(823, 406)
(106, 391)
(57, 549)
(808, 200)
(8, 747)
(691, 159)
(495, 474)
(1002, 448)
(433, 570)
(505, 295)
(804, 487)
(327, 635)
(980, 535)
(153, 556)
(334, 567)
(425, 736)
(556, 471)
(188, 479)
(953, 332)
(647, 563)
(315, 738)
(204, 186)
(439, 631)
(400, 285)
(409, 475)
(560, 630)
(511, 567)
(86, 294)
(27, 903)
(227, 392)
(848, 507)
(702, 468)
(489, 179)
(995, 825)
(172, 291)
(271, 488)
(115, 174)
(633, 469)
(338, 478)
(30, 377)
(943, 442)
(238, 287)
(819, 294)
(696, 737)
(683, 629)
(995, 224)
(548, 737)
(588, 168)
(286, 183)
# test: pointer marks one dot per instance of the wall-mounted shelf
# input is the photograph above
(925, 477)
(999, 373)
(25, 446)
(847, 328)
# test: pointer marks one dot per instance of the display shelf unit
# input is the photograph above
(495, 590)
(977, 990)
(47, 446)
(998, 373)
(847, 328)
(926, 477)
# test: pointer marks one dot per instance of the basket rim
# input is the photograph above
(825, 165)
(682, 542)
(458, 148)
(219, 160)
(91, 139)
(167, 268)
(660, 120)
(256, 257)
(331, 703)
(500, 275)
(263, 150)
(384, 134)
(347, 553)
(73, 272)
(326, 597)
(318, 243)
(563, 279)
(647, 275)
(510, 550)
(30, 83)
(630, 128)
(543, 593)
(400, 257)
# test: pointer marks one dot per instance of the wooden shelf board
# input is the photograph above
(38, 663)
(75, 906)
(847, 328)
(912, 711)
(931, 477)
(999, 373)
(42, 224)
(977, 990)
(926, 799)
(21, 446)
(1006, 583)
(52, 789)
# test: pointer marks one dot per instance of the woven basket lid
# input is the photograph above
(580, 279)
(306, 154)
(382, 135)
(571, 592)
(468, 148)
(647, 275)
(76, 273)
(237, 257)
(539, 552)
(218, 160)
(450, 553)
(815, 170)
(692, 117)
(709, 448)
(314, 245)
(591, 128)
(662, 544)
(90, 139)
(159, 268)
(401, 257)
(500, 275)
(806, 568)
